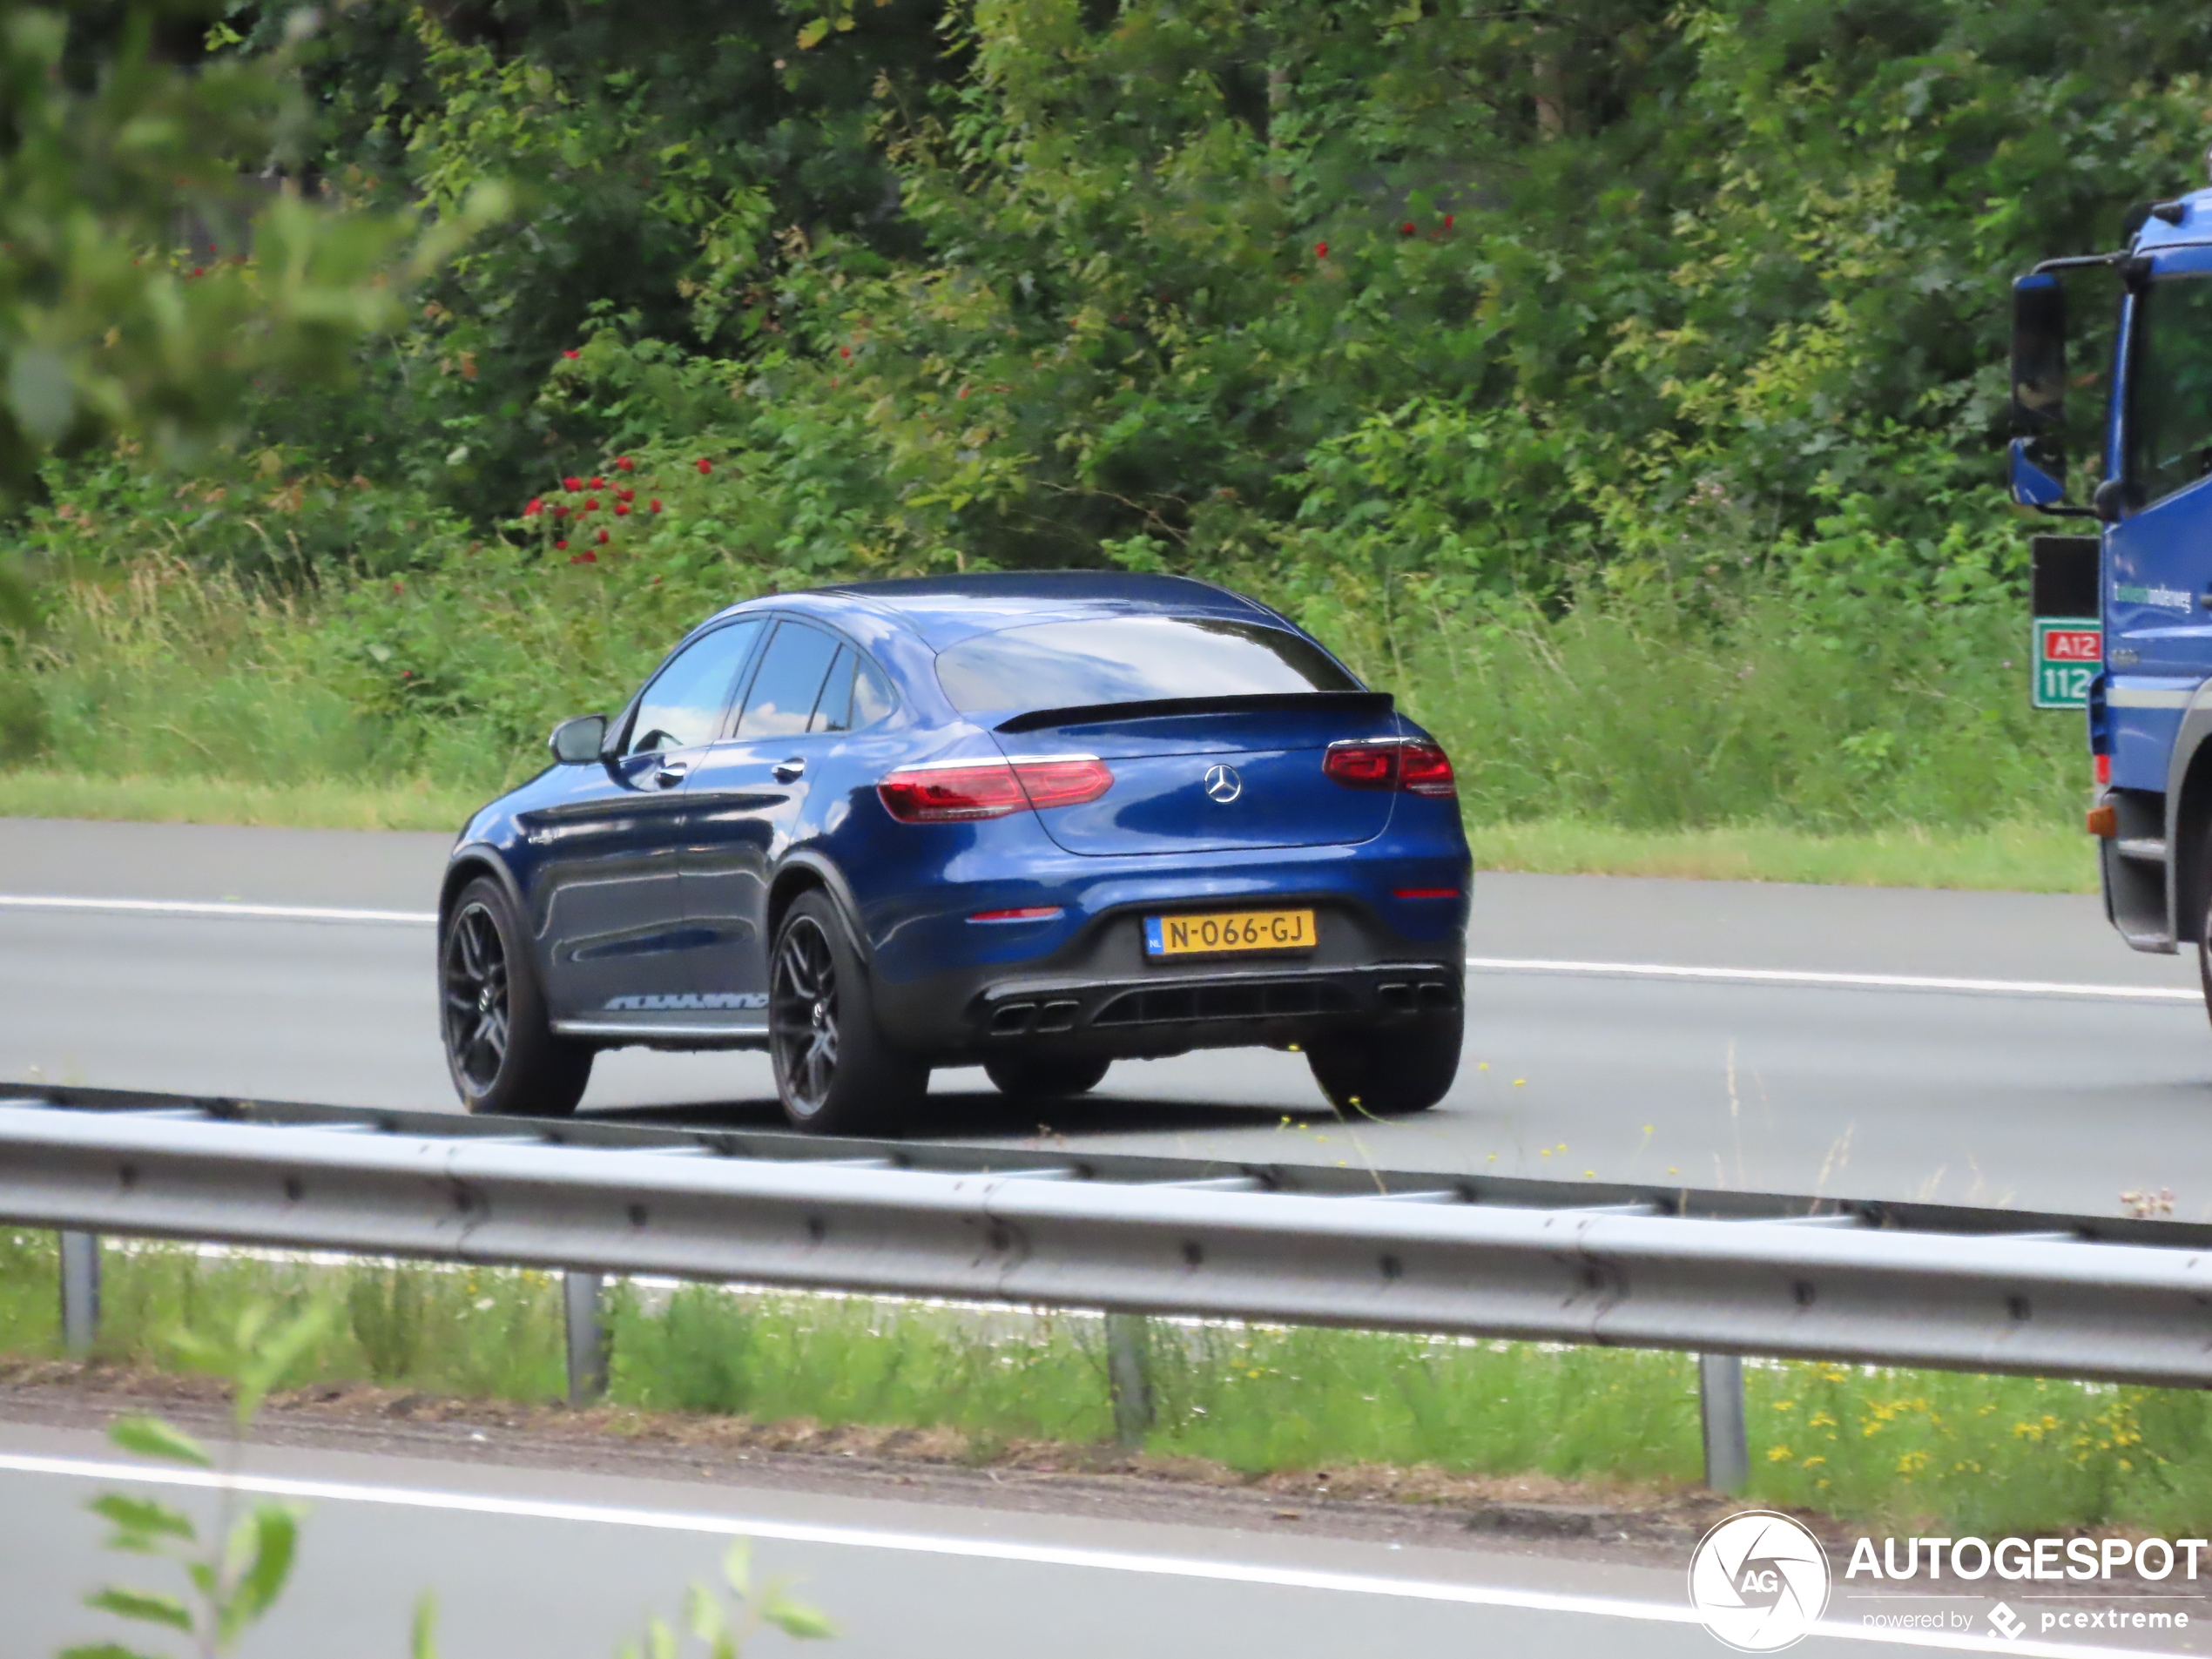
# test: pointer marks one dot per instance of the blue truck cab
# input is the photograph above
(2147, 566)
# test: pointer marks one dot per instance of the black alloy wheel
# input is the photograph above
(1383, 1073)
(500, 1044)
(802, 1017)
(475, 999)
(835, 1072)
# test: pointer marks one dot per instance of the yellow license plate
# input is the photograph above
(1229, 930)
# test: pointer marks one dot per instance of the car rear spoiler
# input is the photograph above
(1375, 704)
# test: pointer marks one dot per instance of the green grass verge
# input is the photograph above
(2030, 857)
(2024, 857)
(212, 800)
(1978, 1455)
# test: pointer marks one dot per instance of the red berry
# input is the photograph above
(621, 508)
(590, 503)
(625, 494)
(585, 557)
(571, 354)
(1406, 229)
(599, 483)
(963, 391)
(1447, 221)
(844, 351)
(406, 673)
(563, 545)
(705, 466)
(603, 538)
(655, 503)
(571, 483)
(625, 463)
(560, 512)
(399, 587)
(534, 509)
(1320, 250)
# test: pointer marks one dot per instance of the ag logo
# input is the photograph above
(1759, 1581)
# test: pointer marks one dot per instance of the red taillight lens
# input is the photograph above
(2104, 769)
(952, 794)
(1063, 783)
(960, 794)
(1426, 770)
(1418, 768)
(1363, 766)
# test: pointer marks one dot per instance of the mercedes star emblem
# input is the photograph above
(1223, 785)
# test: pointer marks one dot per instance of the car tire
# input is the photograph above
(836, 1073)
(499, 1045)
(1044, 1077)
(1384, 1074)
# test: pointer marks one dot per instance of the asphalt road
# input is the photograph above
(2059, 1097)
(545, 1562)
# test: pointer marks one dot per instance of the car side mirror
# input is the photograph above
(578, 742)
(2039, 385)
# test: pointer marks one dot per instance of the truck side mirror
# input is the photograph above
(2038, 389)
(576, 742)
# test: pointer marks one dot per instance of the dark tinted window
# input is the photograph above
(2170, 429)
(854, 695)
(1132, 659)
(684, 704)
(789, 682)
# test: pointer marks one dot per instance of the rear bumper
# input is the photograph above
(1101, 997)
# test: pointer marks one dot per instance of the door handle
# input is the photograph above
(670, 773)
(791, 770)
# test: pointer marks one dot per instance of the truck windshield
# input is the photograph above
(2169, 424)
(1132, 659)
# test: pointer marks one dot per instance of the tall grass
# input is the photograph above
(1646, 708)
(1974, 1455)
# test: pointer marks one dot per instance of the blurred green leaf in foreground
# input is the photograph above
(158, 254)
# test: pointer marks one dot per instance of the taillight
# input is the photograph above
(1426, 770)
(1420, 767)
(2103, 767)
(962, 793)
(1064, 783)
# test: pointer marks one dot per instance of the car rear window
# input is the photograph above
(1132, 659)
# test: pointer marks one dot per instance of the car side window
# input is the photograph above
(853, 696)
(684, 704)
(788, 684)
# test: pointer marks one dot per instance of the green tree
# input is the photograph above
(158, 256)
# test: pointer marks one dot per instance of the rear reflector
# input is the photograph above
(957, 795)
(1417, 767)
(1425, 892)
(1027, 912)
(2104, 769)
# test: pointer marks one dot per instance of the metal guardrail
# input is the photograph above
(1718, 1273)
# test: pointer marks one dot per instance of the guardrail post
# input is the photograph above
(1720, 1404)
(587, 1335)
(1128, 1376)
(80, 1292)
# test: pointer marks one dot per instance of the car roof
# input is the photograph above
(945, 610)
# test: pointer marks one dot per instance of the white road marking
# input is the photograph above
(1111, 1560)
(187, 907)
(1860, 982)
(193, 908)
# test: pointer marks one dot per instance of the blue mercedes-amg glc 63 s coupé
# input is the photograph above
(1036, 822)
